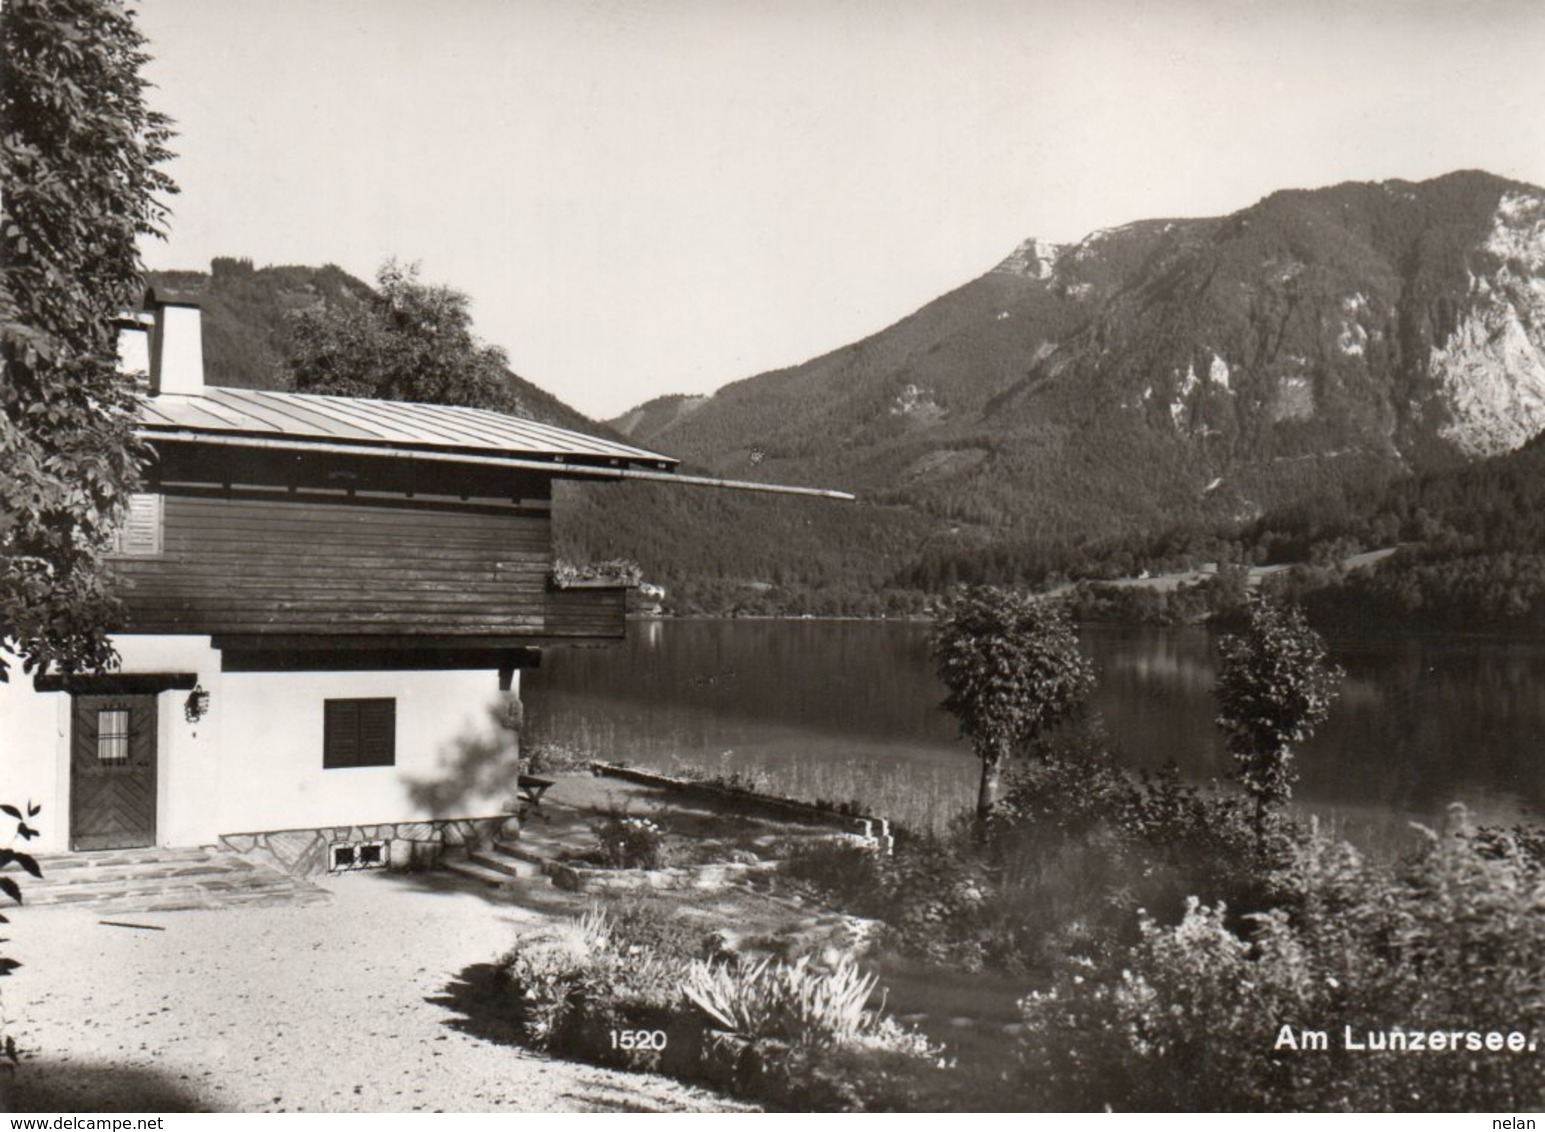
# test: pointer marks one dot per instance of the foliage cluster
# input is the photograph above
(1010, 664)
(408, 341)
(624, 842)
(80, 150)
(788, 1033)
(27, 863)
(1074, 847)
(1079, 842)
(1220, 595)
(616, 572)
(1274, 687)
(739, 779)
(1191, 1017)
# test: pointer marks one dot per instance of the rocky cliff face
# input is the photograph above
(1490, 371)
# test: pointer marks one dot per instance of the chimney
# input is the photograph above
(134, 346)
(177, 345)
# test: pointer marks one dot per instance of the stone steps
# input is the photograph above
(500, 864)
(503, 862)
(157, 880)
(514, 850)
(480, 874)
(496, 866)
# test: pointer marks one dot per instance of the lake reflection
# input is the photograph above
(850, 708)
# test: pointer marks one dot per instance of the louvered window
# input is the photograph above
(359, 733)
(140, 534)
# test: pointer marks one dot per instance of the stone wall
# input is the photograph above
(410, 844)
(874, 832)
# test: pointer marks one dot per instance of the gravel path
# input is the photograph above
(367, 1003)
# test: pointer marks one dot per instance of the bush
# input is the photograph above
(1080, 844)
(630, 843)
(789, 1002)
(1075, 847)
(649, 923)
(577, 982)
(931, 894)
(789, 1033)
(1193, 1017)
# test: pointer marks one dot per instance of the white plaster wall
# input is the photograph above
(255, 761)
(452, 761)
(188, 768)
(34, 738)
(35, 746)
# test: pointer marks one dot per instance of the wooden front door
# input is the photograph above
(113, 772)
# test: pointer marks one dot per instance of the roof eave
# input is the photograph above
(561, 466)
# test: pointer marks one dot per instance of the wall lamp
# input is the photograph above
(196, 706)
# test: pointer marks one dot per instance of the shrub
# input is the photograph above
(577, 982)
(1075, 847)
(1193, 1017)
(789, 1033)
(12, 856)
(630, 843)
(652, 924)
(791, 1002)
(1082, 842)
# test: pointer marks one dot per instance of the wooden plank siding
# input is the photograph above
(303, 562)
(588, 613)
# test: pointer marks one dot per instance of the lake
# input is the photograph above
(848, 710)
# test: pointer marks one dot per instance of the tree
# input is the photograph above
(1013, 671)
(1274, 688)
(80, 151)
(409, 341)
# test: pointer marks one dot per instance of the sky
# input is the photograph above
(664, 197)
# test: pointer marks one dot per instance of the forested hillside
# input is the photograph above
(1472, 546)
(245, 309)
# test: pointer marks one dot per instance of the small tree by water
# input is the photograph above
(1013, 670)
(1274, 688)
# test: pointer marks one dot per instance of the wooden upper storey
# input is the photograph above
(274, 548)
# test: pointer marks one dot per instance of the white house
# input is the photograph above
(325, 597)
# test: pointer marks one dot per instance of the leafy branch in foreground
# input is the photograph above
(11, 856)
(80, 151)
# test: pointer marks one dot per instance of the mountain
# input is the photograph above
(1151, 391)
(244, 317)
(1182, 372)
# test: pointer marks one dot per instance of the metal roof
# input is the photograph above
(358, 421)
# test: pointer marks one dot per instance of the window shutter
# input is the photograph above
(377, 732)
(140, 533)
(340, 733)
